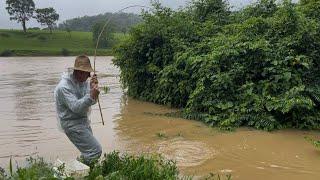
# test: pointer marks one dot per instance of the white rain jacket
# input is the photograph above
(73, 102)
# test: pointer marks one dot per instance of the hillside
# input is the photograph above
(42, 43)
(121, 22)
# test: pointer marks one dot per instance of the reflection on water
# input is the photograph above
(28, 127)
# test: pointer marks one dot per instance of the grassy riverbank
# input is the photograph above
(42, 43)
(112, 166)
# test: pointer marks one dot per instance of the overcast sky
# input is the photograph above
(75, 8)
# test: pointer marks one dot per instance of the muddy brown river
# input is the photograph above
(28, 127)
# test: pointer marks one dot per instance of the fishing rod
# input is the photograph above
(97, 44)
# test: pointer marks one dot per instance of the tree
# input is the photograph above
(69, 31)
(106, 39)
(124, 30)
(262, 8)
(216, 10)
(311, 8)
(47, 16)
(20, 11)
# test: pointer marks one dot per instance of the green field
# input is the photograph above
(42, 43)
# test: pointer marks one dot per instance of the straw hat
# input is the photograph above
(82, 63)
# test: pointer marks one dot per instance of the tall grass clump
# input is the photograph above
(117, 166)
(65, 52)
(5, 35)
(36, 168)
(112, 166)
(258, 66)
(6, 53)
(32, 35)
(42, 38)
(314, 142)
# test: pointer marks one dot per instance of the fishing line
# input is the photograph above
(97, 44)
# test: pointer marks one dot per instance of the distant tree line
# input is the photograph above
(120, 22)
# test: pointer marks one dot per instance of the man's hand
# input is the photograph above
(94, 88)
(94, 92)
(93, 81)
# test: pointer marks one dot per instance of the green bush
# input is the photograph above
(314, 142)
(7, 53)
(65, 52)
(42, 38)
(36, 168)
(34, 28)
(6, 35)
(257, 67)
(116, 166)
(32, 35)
(112, 166)
(3, 174)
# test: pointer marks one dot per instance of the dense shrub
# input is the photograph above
(116, 166)
(65, 52)
(36, 168)
(112, 166)
(34, 28)
(258, 66)
(6, 35)
(42, 38)
(6, 53)
(32, 35)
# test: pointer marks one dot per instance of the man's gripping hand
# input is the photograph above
(94, 88)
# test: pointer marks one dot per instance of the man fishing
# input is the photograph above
(73, 96)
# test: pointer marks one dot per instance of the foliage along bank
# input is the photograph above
(258, 66)
(112, 166)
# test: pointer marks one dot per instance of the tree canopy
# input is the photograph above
(20, 11)
(47, 16)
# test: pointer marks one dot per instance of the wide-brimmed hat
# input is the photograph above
(82, 63)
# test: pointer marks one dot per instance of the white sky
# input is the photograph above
(75, 8)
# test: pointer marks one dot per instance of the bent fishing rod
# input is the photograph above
(97, 44)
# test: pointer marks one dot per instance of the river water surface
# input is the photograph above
(28, 127)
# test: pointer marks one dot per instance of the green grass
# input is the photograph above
(316, 143)
(112, 166)
(161, 135)
(106, 89)
(42, 43)
(36, 168)
(116, 166)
